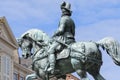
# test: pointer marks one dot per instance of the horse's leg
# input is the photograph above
(97, 76)
(41, 73)
(94, 71)
(31, 77)
(79, 67)
(82, 74)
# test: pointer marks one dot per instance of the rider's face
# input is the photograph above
(63, 10)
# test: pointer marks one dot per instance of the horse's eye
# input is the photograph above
(24, 48)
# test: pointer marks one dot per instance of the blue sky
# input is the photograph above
(94, 19)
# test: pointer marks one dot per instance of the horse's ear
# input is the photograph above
(19, 41)
(26, 36)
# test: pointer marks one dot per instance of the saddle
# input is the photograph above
(63, 54)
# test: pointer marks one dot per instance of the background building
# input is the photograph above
(12, 67)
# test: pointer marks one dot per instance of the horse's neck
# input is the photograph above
(35, 47)
(39, 53)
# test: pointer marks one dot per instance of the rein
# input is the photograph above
(40, 45)
(35, 53)
(42, 50)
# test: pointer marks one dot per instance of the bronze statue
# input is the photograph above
(65, 33)
(60, 55)
(81, 57)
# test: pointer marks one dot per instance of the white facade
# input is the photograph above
(10, 69)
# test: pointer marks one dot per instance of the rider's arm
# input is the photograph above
(61, 27)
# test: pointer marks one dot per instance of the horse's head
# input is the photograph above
(25, 44)
(32, 39)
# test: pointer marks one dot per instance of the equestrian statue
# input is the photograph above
(60, 54)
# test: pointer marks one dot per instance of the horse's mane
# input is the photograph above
(36, 35)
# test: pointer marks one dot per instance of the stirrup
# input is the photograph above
(50, 70)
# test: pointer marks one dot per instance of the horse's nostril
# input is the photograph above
(22, 55)
(27, 54)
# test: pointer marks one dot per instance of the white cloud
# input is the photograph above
(84, 11)
(99, 30)
(87, 12)
(17, 9)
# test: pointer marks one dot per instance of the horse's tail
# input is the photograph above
(112, 47)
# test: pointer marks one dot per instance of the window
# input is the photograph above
(15, 76)
(4, 78)
(6, 67)
(0, 63)
(21, 78)
(0, 31)
(4, 64)
(0, 67)
(7, 78)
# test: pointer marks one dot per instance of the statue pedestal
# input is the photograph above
(54, 78)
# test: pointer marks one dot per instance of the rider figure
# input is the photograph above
(65, 33)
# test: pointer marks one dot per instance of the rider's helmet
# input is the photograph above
(66, 6)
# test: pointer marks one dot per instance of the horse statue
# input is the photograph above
(79, 57)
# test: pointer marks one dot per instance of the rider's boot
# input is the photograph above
(52, 63)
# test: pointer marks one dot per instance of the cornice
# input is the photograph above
(1, 37)
(21, 67)
(2, 20)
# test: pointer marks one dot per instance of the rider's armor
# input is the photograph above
(64, 34)
(66, 30)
